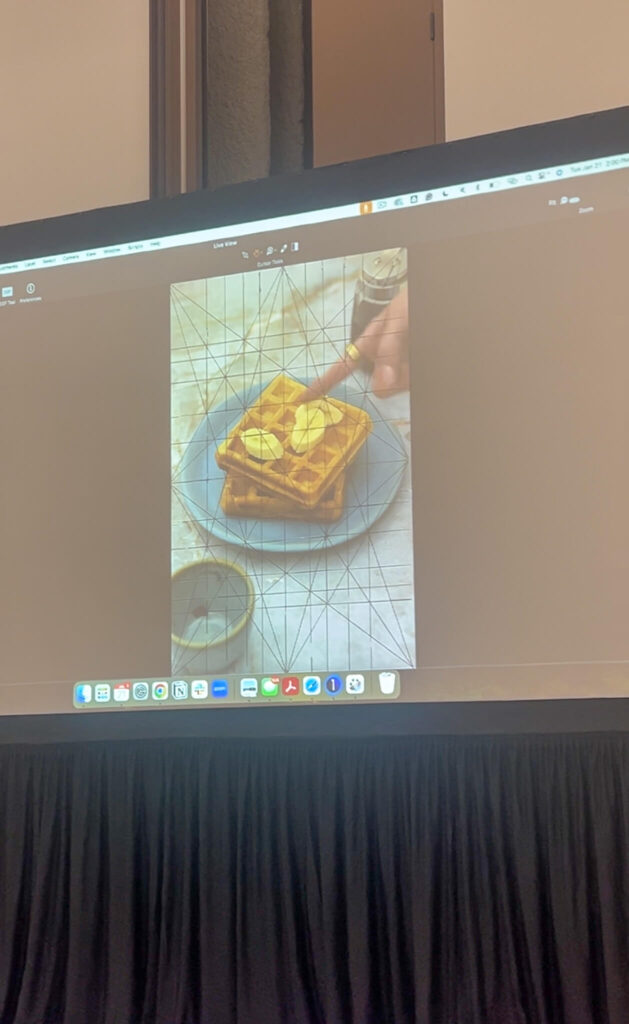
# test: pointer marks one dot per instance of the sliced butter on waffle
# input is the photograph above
(309, 428)
(243, 497)
(261, 444)
(302, 477)
(331, 413)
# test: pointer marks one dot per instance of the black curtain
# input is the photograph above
(430, 880)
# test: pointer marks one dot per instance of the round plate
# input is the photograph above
(372, 482)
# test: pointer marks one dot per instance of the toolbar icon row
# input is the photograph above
(250, 688)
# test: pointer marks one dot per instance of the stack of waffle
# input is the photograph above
(282, 463)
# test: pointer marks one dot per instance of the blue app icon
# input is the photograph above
(312, 685)
(220, 688)
(333, 685)
(83, 693)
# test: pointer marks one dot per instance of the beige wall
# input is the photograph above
(74, 105)
(510, 63)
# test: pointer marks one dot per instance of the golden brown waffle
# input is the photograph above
(305, 478)
(244, 497)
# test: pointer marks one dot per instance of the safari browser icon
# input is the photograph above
(312, 686)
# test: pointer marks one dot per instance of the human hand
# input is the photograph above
(384, 345)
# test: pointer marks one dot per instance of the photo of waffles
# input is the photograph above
(290, 468)
(301, 472)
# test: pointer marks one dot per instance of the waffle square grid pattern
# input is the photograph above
(305, 479)
(243, 497)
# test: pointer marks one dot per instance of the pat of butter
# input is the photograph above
(309, 428)
(331, 413)
(261, 444)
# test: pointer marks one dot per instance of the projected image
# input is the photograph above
(292, 545)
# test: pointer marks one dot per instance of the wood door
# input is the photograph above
(377, 77)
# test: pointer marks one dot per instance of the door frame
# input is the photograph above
(165, 97)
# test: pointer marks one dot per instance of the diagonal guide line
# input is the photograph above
(279, 574)
(193, 302)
